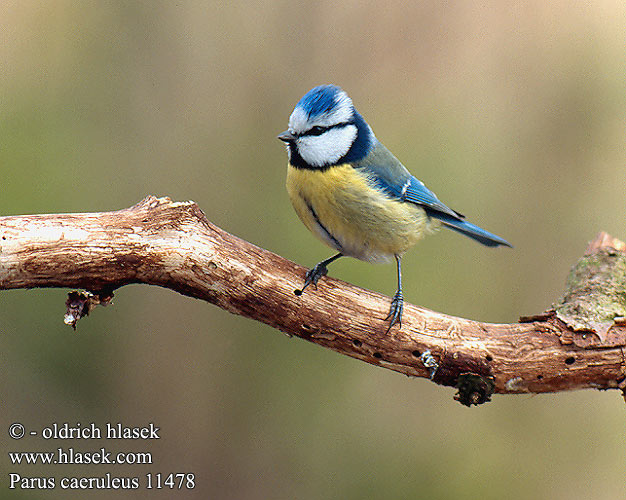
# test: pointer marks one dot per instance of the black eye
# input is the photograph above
(316, 130)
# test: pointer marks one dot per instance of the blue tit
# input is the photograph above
(354, 195)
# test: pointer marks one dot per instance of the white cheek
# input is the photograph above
(327, 148)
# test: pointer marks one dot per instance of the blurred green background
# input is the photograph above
(513, 113)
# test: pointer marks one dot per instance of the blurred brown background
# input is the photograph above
(512, 112)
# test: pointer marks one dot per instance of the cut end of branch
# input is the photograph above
(605, 240)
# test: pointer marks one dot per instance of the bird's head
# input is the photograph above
(325, 130)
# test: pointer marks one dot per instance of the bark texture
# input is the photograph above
(581, 343)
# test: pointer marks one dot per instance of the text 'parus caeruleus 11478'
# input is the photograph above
(353, 194)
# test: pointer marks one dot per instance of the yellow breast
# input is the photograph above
(342, 208)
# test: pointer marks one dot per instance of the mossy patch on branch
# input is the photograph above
(596, 292)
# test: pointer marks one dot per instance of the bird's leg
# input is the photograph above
(397, 303)
(313, 276)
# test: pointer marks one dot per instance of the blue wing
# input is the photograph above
(415, 191)
(389, 175)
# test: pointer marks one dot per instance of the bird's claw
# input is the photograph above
(313, 276)
(395, 311)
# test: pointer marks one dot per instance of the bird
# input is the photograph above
(352, 193)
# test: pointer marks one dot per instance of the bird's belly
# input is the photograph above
(341, 207)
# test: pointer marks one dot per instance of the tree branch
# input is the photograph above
(581, 343)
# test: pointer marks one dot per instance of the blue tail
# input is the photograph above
(472, 231)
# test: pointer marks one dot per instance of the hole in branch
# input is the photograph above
(357, 343)
(378, 355)
(570, 360)
(489, 357)
(416, 353)
(539, 377)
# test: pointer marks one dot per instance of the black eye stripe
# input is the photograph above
(318, 130)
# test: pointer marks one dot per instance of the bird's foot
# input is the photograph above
(313, 276)
(395, 311)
